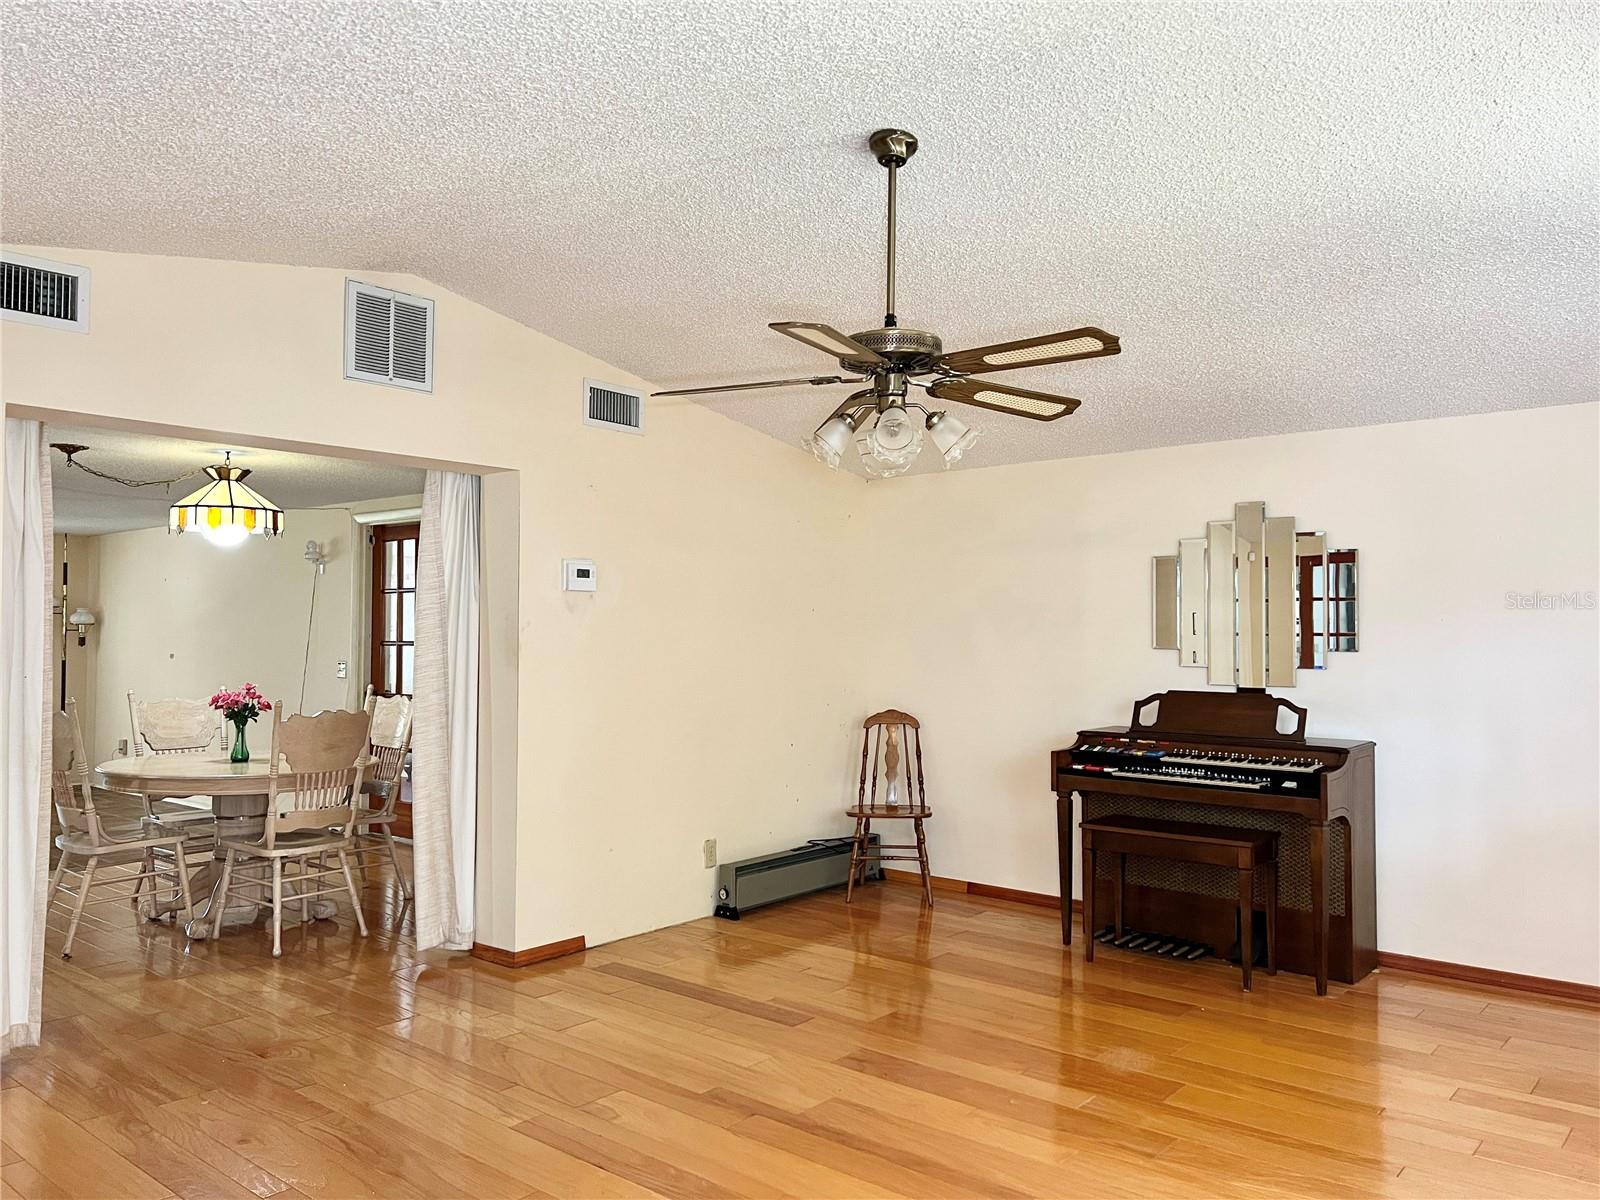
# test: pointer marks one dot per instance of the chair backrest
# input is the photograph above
(70, 787)
(390, 736)
(390, 742)
(176, 726)
(892, 739)
(316, 771)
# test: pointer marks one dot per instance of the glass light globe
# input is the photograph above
(951, 436)
(891, 445)
(225, 536)
(829, 441)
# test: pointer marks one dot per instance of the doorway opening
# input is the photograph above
(183, 616)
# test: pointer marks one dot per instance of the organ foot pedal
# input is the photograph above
(1161, 945)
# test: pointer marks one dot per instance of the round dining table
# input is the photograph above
(238, 794)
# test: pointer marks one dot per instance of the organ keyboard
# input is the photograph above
(1206, 756)
(1142, 758)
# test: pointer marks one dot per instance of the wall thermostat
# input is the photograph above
(577, 575)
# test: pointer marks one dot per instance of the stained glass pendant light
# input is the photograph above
(225, 511)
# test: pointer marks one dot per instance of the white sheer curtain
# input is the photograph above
(444, 741)
(25, 652)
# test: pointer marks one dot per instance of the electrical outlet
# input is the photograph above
(710, 851)
(344, 670)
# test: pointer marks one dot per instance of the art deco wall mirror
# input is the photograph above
(1255, 600)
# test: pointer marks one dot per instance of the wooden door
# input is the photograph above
(394, 630)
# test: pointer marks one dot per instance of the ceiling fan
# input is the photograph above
(892, 360)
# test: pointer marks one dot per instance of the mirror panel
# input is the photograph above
(1342, 635)
(1310, 550)
(1164, 602)
(1219, 602)
(1250, 567)
(1192, 602)
(1283, 581)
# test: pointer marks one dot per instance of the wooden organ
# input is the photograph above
(1223, 758)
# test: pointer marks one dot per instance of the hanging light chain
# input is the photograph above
(70, 451)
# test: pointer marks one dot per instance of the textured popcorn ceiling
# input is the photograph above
(87, 505)
(1296, 216)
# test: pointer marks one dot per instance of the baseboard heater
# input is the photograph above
(753, 882)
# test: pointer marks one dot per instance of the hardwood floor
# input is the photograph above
(808, 1050)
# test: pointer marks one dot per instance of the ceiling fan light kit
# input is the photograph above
(892, 360)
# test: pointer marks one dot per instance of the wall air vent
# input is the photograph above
(613, 407)
(36, 292)
(388, 337)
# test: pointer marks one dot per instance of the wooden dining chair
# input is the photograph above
(890, 742)
(178, 726)
(85, 836)
(390, 743)
(315, 775)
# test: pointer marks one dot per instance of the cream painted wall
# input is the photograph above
(1026, 594)
(181, 617)
(682, 701)
(709, 689)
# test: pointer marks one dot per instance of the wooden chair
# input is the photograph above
(178, 726)
(83, 835)
(314, 778)
(390, 743)
(893, 739)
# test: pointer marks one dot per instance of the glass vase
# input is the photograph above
(241, 751)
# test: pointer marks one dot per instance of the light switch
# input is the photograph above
(344, 670)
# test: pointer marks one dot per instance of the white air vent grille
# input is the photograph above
(613, 407)
(388, 337)
(36, 292)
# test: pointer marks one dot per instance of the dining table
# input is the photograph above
(238, 792)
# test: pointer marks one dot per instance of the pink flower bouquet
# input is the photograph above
(240, 706)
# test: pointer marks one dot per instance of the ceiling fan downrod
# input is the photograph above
(893, 148)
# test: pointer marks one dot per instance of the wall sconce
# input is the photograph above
(316, 557)
(80, 622)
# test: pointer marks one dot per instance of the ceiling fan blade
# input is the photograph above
(1017, 402)
(830, 341)
(814, 380)
(1073, 344)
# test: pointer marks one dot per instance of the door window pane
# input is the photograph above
(394, 609)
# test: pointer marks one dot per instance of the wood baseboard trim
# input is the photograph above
(1584, 993)
(534, 954)
(990, 890)
(939, 882)
(1037, 899)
